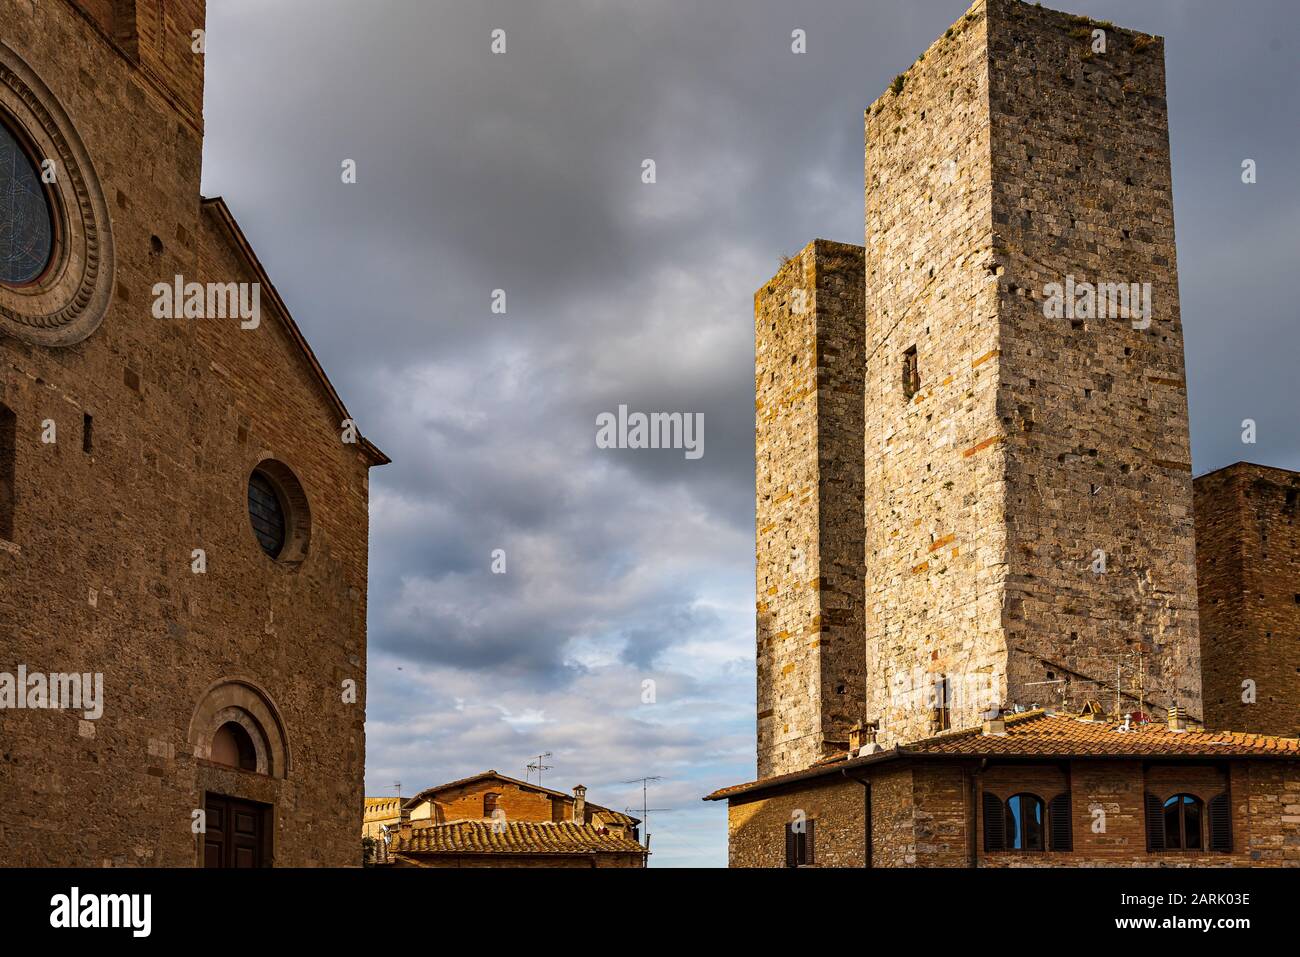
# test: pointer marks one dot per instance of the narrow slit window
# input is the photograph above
(87, 433)
(911, 374)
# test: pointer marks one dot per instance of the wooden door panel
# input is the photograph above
(236, 832)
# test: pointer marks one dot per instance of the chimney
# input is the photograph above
(404, 822)
(1178, 719)
(579, 804)
(994, 723)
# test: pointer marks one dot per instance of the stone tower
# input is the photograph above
(1028, 493)
(808, 389)
(1248, 570)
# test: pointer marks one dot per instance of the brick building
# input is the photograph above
(1032, 790)
(491, 820)
(183, 501)
(975, 495)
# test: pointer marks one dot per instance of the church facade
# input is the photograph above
(183, 496)
(994, 611)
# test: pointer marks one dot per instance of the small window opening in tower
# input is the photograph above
(911, 374)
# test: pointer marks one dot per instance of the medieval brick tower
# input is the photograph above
(1027, 526)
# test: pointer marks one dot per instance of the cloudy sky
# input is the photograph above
(522, 172)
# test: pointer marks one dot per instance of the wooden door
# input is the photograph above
(236, 832)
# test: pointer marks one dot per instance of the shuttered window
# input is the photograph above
(800, 842)
(1178, 823)
(1026, 823)
(1155, 823)
(1058, 815)
(1221, 823)
(994, 823)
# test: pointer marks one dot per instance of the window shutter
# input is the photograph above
(1155, 823)
(791, 853)
(1059, 820)
(808, 845)
(1221, 823)
(995, 834)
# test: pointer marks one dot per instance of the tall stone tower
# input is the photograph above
(1248, 570)
(1028, 493)
(808, 389)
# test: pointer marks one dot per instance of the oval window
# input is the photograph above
(267, 513)
(26, 224)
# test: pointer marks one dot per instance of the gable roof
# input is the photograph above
(428, 793)
(1048, 736)
(513, 837)
(218, 206)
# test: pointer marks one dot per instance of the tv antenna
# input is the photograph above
(645, 808)
(538, 766)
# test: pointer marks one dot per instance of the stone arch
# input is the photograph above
(243, 702)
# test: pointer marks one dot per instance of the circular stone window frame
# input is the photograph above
(293, 504)
(69, 300)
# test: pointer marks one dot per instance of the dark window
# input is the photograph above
(87, 433)
(267, 513)
(233, 747)
(911, 374)
(26, 227)
(1182, 822)
(490, 802)
(8, 463)
(799, 843)
(1024, 823)
(941, 716)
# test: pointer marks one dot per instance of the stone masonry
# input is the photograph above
(808, 347)
(1248, 568)
(160, 423)
(1028, 509)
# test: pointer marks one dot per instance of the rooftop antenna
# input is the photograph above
(645, 804)
(1055, 681)
(539, 767)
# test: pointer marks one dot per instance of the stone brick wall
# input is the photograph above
(1248, 571)
(97, 576)
(935, 465)
(1008, 157)
(756, 828)
(925, 814)
(158, 38)
(1094, 410)
(809, 551)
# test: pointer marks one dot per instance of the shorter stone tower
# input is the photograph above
(808, 335)
(1248, 570)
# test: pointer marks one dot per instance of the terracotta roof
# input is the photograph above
(427, 793)
(1038, 734)
(513, 837)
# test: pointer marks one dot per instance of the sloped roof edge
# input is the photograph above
(218, 205)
